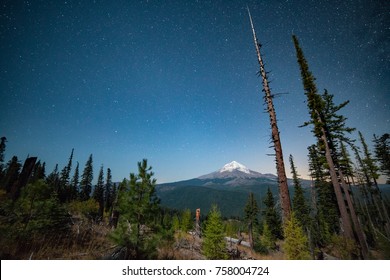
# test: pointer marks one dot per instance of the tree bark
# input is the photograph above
(354, 217)
(282, 178)
(345, 221)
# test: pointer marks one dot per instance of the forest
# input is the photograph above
(63, 215)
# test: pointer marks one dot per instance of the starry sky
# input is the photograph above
(175, 81)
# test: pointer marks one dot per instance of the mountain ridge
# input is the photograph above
(227, 187)
(231, 174)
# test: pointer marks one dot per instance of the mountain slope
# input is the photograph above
(227, 187)
(231, 174)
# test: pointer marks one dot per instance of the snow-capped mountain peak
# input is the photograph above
(234, 165)
(234, 172)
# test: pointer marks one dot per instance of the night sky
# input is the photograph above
(175, 81)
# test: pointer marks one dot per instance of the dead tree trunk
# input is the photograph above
(282, 178)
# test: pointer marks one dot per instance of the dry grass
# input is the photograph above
(85, 240)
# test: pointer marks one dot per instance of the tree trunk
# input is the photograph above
(345, 221)
(355, 220)
(378, 199)
(250, 235)
(282, 178)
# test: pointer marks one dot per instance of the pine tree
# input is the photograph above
(335, 123)
(64, 192)
(86, 180)
(138, 206)
(2, 150)
(98, 193)
(108, 193)
(11, 174)
(382, 154)
(364, 183)
(74, 185)
(271, 216)
(268, 97)
(38, 172)
(329, 126)
(300, 206)
(369, 162)
(325, 215)
(175, 223)
(186, 221)
(371, 171)
(214, 245)
(295, 242)
(251, 213)
(345, 164)
(53, 179)
(40, 211)
(268, 239)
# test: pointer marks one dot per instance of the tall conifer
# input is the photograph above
(108, 193)
(382, 154)
(138, 206)
(64, 191)
(2, 150)
(326, 123)
(214, 244)
(300, 206)
(251, 213)
(11, 173)
(98, 193)
(371, 171)
(86, 180)
(74, 185)
(271, 216)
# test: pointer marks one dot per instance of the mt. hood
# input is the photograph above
(235, 170)
(231, 174)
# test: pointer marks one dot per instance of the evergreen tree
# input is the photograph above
(11, 176)
(328, 126)
(138, 206)
(371, 172)
(325, 214)
(300, 206)
(74, 184)
(214, 245)
(382, 154)
(108, 193)
(86, 180)
(98, 193)
(186, 221)
(268, 240)
(369, 162)
(2, 150)
(64, 192)
(53, 179)
(335, 124)
(316, 164)
(38, 172)
(251, 213)
(295, 242)
(39, 211)
(345, 164)
(271, 216)
(175, 223)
